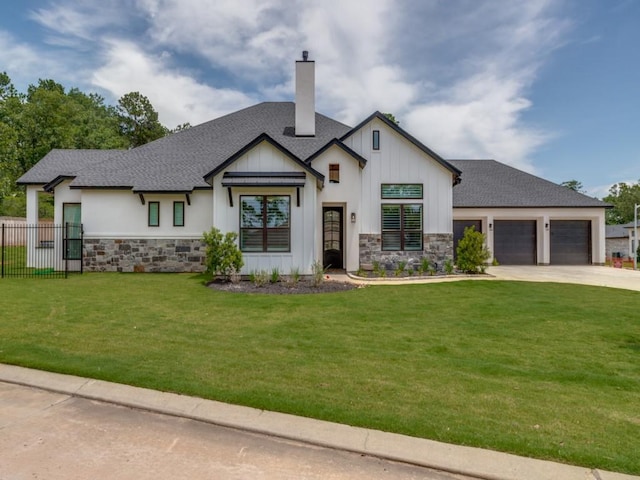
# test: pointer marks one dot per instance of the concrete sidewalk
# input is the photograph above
(474, 462)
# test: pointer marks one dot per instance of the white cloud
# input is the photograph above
(456, 74)
(177, 97)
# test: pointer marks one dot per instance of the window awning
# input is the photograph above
(264, 179)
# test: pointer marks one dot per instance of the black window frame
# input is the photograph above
(72, 249)
(264, 228)
(157, 205)
(334, 173)
(175, 204)
(399, 196)
(375, 140)
(402, 231)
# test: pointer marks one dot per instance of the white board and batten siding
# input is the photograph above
(302, 223)
(121, 214)
(399, 161)
(346, 194)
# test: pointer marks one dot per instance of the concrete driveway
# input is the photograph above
(585, 275)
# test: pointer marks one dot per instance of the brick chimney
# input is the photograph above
(305, 96)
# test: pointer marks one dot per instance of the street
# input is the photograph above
(51, 436)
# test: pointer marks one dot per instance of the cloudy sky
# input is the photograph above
(548, 86)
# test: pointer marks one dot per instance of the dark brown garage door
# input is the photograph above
(514, 242)
(570, 242)
(458, 231)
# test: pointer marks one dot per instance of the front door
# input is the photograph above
(332, 256)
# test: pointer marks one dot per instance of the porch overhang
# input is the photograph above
(264, 179)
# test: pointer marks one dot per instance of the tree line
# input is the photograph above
(49, 116)
(622, 196)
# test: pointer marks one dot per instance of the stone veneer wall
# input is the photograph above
(144, 255)
(437, 247)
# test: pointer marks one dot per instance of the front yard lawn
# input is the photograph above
(544, 370)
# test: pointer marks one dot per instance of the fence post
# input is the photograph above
(2, 248)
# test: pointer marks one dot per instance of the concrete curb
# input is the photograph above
(474, 462)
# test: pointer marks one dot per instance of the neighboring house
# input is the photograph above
(620, 240)
(299, 187)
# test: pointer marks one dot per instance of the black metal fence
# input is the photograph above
(40, 250)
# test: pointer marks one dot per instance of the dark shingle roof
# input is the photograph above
(487, 183)
(64, 163)
(180, 161)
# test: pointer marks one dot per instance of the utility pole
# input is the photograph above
(635, 236)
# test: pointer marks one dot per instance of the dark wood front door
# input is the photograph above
(332, 250)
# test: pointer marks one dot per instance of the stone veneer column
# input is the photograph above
(437, 248)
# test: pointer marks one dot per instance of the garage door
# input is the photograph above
(514, 242)
(570, 242)
(458, 231)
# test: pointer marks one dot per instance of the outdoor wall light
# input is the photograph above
(546, 226)
(491, 227)
(353, 217)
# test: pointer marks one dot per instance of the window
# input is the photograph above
(154, 214)
(72, 221)
(401, 227)
(264, 223)
(376, 139)
(401, 190)
(178, 214)
(334, 173)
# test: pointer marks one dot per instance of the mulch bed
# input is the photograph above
(282, 288)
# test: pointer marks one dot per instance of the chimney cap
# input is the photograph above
(305, 55)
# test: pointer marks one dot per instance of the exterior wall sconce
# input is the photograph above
(353, 217)
(546, 226)
(491, 227)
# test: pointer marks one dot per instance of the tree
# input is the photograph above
(391, 117)
(138, 120)
(49, 117)
(472, 252)
(574, 185)
(623, 197)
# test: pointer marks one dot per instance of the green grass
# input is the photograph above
(544, 370)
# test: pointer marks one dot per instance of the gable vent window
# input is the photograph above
(334, 173)
(154, 214)
(376, 140)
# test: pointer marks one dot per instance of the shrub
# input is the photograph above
(448, 266)
(222, 254)
(294, 276)
(259, 277)
(472, 252)
(400, 268)
(275, 275)
(318, 273)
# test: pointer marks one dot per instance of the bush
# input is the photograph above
(472, 252)
(223, 257)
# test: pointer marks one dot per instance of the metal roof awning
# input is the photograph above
(264, 179)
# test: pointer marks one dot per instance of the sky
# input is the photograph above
(551, 87)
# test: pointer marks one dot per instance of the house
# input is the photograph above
(619, 239)
(299, 187)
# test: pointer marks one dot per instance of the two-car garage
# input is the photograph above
(515, 242)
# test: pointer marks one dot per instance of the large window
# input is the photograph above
(401, 227)
(265, 223)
